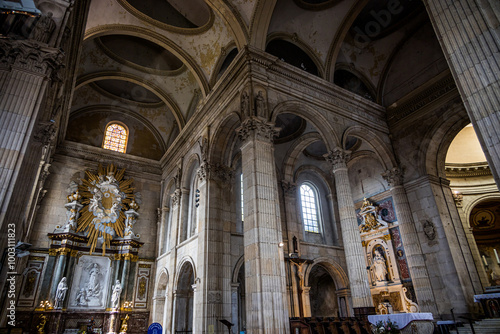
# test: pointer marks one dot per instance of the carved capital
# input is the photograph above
(30, 56)
(458, 198)
(289, 188)
(394, 176)
(338, 158)
(176, 197)
(215, 172)
(259, 129)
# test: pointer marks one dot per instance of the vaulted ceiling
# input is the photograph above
(149, 63)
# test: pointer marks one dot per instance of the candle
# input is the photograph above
(484, 260)
(496, 255)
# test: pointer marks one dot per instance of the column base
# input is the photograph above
(362, 312)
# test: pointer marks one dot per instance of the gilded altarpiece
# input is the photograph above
(387, 268)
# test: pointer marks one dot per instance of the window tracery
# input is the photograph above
(115, 138)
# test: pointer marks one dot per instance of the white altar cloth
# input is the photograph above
(401, 319)
(486, 296)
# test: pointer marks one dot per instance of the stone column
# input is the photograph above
(25, 69)
(414, 256)
(466, 32)
(124, 280)
(356, 264)
(264, 262)
(306, 300)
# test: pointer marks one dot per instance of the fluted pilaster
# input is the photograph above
(472, 48)
(414, 256)
(264, 263)
(356, 264)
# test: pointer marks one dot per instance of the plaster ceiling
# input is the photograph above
(160, 59)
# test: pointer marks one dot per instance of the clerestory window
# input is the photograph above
(115, 138)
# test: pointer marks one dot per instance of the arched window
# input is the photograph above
(115, 138)
(309, 205)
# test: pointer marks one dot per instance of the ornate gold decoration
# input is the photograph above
(52, 252)
(144, 265)
(124, 326)
(483, 219)
(41, 325)
(105, 197)
(369, 213)
(142, 287)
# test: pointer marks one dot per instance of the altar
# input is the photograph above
(407, 322)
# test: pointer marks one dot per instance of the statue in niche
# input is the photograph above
(43, 29)
(115, 297)
(245, 107)
(379, 267)
(93, 286)
(260, 105)
(62, 288)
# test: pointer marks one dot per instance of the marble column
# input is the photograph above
(264, 261)
(356, 264)
(59, 271)
(469, 37)
(414, 256)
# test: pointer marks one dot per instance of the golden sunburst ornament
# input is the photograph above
(106, 196)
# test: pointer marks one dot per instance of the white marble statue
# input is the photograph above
(62, 288)
(115, 297)
(380, 268)
(93, 286)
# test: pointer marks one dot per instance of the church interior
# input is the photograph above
(248, 166)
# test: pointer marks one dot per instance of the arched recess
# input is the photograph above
(160, 296)
(128, 112)
(381, 149)
(334, 287)
(301, 46)
(184, 298)
(339, 37)
(317, 120)
(261, 19)
(437, 140)
(238, 302)
(189, 183)
(294, 152)
(228, 54)
(166, 218)
(222, 146)
(138, 80)
(232, 18)
(158, 39)
(362, 86)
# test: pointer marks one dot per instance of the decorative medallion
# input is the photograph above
(483, 219)
(429, 229)
(106, 197)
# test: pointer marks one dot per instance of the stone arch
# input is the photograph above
(138, 80)
(470, 205)
(381, 149)
(158, 39)
(437, 140)
(238, 307)
(184, 296)
(326, 275)
(294, 152)
(225, 133)
(327, 133)
(338, 274)
(160, 293)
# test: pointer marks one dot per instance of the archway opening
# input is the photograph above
(323, 293)
(184, 300)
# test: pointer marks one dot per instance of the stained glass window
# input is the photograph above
(115, 138)
(308, 200)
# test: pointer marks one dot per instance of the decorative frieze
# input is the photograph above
(215, 172)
